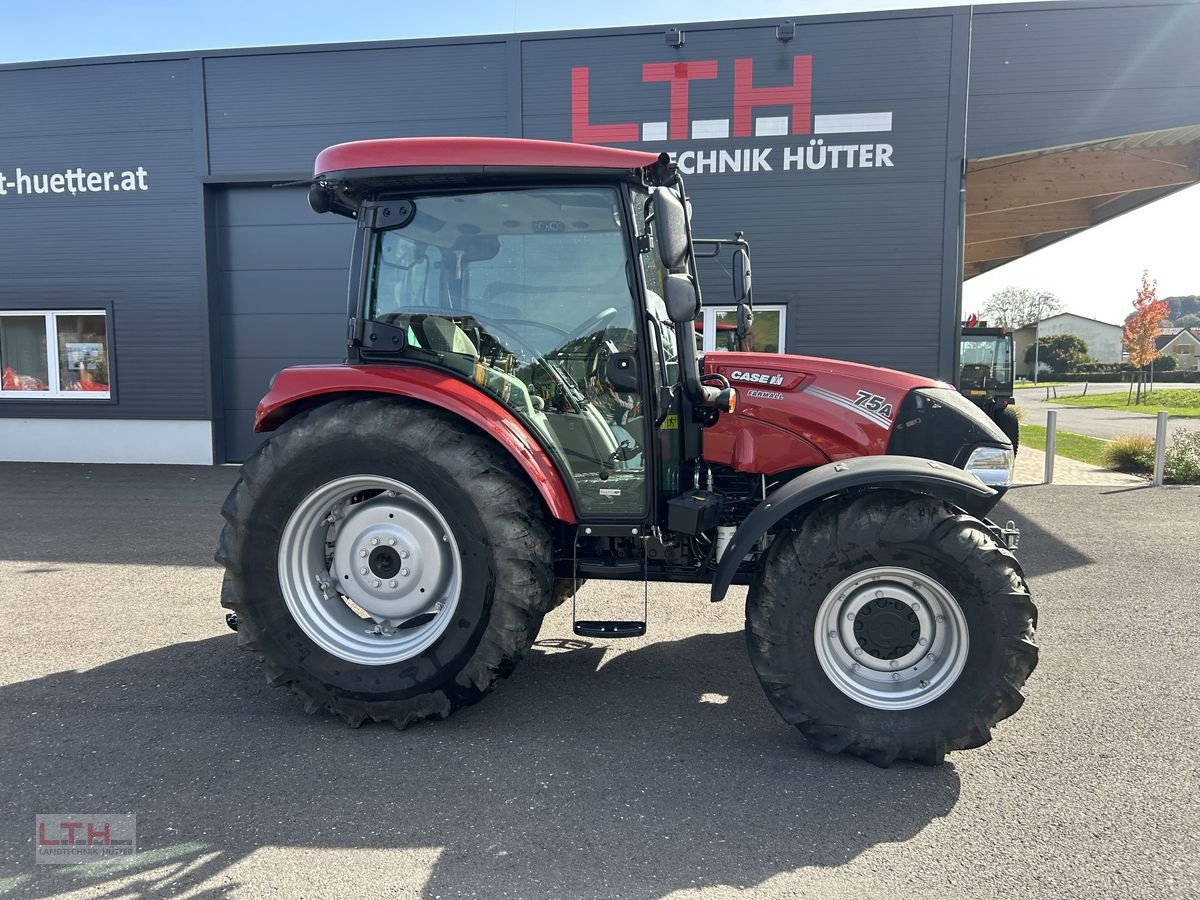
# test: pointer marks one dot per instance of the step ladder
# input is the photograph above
(609, 628)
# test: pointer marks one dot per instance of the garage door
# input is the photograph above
(280, 293)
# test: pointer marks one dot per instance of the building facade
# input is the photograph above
(154, 276)
(1103, 339)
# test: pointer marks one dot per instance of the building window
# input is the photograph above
(718, 327)
(54, 355)
(1185, 349)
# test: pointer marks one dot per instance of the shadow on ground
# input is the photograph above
(664, 769)
(1041, 552)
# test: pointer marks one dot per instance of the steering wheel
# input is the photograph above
(575, 396)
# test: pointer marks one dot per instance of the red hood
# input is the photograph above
(800, 411)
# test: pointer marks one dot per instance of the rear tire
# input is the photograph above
(832, 681)
(495, 576)
(1010, 424)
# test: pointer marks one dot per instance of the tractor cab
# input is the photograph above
(986, 374)
(568, 297)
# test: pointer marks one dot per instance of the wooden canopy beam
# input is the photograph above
(1069, 215)
(985, 251)
(995, 185)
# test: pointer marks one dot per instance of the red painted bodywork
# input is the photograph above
(297, 384)
(476, 152)
(791, 425)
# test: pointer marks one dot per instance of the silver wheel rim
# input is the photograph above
(893, 608)
(369, 570)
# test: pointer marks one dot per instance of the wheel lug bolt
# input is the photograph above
(392, 584)
(849, 615)
(895, 676)
(374, 541)
(362, 552)
(922, 641)
(930, 657)
(833, 634)
(854, 667)
(391, 542)
(404, 554)
(362, 571)
(858, 651)
(438, 606)
(892, 664)
(916, 606)
(940, 619)
(879, 595)
(404, 572)
(375, 583)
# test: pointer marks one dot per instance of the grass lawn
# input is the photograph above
(1073, 446)
(1180, 402)
(1022, 385)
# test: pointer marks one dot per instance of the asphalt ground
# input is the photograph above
(1101, 423)
(647, 768)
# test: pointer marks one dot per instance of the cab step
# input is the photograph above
(616, 628)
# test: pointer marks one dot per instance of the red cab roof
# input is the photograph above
(479, 153)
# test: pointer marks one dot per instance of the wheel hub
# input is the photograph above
(891, 638)
(369, 544)
(887, 628)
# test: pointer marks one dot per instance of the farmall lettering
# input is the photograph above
(788, 109)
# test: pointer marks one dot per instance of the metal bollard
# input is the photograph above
(1051, 425)
(1160, 447)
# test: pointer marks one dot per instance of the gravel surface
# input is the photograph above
(646, 768)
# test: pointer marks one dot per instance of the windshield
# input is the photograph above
(528, 293)
(986, 363)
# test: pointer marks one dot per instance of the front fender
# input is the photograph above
(301, 387)
(911, 473)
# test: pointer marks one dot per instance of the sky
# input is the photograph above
(1095, 273)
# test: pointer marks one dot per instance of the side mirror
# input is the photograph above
(670, 226)
(741, 276)
(680, 298)
(621, 373)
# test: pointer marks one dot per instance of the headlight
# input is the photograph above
(992, 465)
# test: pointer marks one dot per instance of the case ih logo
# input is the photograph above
(748, 100)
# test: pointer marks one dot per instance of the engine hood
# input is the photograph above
(800, 411)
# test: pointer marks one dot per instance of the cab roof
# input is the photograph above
(413, 157)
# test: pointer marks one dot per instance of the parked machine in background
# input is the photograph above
(986, 372)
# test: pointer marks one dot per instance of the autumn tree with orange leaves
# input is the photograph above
(1142, 327)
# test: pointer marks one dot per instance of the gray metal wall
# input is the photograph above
(139, 253)
(1055, 74)
(279, 292)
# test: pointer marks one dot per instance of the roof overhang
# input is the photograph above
(1020, 203)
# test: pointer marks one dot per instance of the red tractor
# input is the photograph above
(523, 408)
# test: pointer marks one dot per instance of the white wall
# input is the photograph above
(106, 441)
(1103, 339)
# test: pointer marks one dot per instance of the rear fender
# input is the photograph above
(302, 387)
(909, 473)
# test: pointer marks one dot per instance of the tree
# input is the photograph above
(1142, 328)
(1061, 352)
(1017, 306)
(1191, 320)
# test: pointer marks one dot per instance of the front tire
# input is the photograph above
(1010, 424)
(836, 619)
(453, 543)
